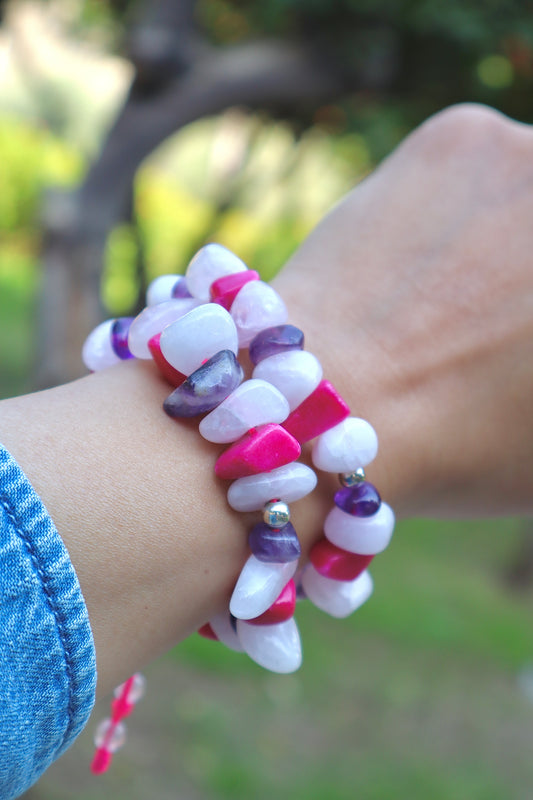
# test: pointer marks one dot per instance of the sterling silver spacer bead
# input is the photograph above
(352, 478)
(276, 513)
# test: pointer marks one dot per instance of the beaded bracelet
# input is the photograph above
(193, 328)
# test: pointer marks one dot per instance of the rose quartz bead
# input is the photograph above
(160, 289)
(335, 563)
(259, 450)
(364, 535)
(152, 320)
(336, 598)
(281, 609)
(197, 336)
(346, 447)
(288, 483)
(258, 585)
(274, 647)
(98, 352)
(211, 262)
(172, 375)
(224, 290)
(221, 624)
(323, 409)
(296, 374)
(253, 403)
(257, 306)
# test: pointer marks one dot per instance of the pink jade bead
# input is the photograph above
(259, 450)
(225, 289)
(335, 563)
(172, 375)
(281, 609)
(319, 412)
(207, 632)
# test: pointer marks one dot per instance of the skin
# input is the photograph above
(415, 293)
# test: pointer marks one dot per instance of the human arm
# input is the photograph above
(416, 294)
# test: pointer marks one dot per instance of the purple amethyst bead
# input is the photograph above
(206, 387)
(275, 545)
(274, 340)
(361, 500)
(180, 288)
(119, 337)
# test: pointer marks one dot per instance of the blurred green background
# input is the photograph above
(428, 691)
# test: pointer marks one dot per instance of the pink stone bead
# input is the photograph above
(225, 289)
(172, 375)
(101, 761)
(281, 609)
(335, 563)
(207, 632)
(319, 412)
(258, 586)
(260, 450)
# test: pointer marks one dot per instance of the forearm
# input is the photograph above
(415, 294)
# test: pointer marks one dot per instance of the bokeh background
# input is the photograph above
(112, 170)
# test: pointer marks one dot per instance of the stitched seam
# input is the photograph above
(52, 604)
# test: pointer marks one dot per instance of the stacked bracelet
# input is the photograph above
(193, 328)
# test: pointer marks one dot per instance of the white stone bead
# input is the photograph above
(296, 374)
(274, 647)
(364, 535)
(160, 289)
(257, 306)
(110, 735)
(198, 335)
(289, 483)
(153, 319)
(97, 352)
(136, 690)
(336, 598)
(224, 630)
(211, 262)
(346, 447)
(253, 403)
(258, 585)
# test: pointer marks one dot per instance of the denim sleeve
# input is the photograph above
(47, 658)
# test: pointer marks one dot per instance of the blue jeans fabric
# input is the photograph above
(47, 658)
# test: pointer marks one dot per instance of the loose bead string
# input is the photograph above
(193, 328)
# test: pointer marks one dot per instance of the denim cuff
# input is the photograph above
(47, 657)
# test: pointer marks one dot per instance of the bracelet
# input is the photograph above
(193, 328)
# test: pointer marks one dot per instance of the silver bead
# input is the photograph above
(276, 513)
(352, 478)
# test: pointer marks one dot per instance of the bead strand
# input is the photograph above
(111, 732)
(193, 328)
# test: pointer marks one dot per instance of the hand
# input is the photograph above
(416, 293)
